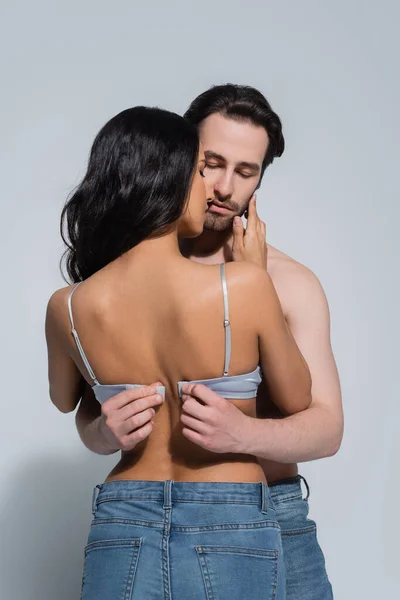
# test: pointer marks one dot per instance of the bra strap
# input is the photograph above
(227, 324)
(76, 337)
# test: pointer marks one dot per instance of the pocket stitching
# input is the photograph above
(288, 499)
(119, 521)
(134, 544)
(201, 552)
(113, 543)
(238, 550)
(227, 527)
(310, 529)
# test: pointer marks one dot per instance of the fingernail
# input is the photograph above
(236, 221)
(158, 398)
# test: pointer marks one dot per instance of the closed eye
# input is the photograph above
(246, 175)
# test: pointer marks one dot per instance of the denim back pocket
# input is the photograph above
(110, 568)
(231, 572)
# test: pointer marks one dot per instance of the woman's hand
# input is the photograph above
(127, 418)
(250, 244)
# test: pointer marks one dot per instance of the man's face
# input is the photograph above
(234, 154)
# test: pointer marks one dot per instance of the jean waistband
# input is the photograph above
(171, 491)
(289, 487)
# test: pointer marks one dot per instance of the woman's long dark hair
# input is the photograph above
(137, 182)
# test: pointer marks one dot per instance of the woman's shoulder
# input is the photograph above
(252, 275)
(250, 285)
(60, 295)
(237, 273)
(57, 306)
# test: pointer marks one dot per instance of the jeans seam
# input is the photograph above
(289, 499)
(239, 550)
(292, 532)
(275, 575)
(100, 500)
(205, 574)
(226, 527)
(121, 542)
(116, 521)
(132, 571)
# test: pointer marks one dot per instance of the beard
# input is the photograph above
(217, 222)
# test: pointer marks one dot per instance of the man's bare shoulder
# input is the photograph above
(282, 266)
(295, 283)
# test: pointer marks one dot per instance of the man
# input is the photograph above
(241, 136)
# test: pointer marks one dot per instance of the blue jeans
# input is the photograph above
(306, 577)
(181, 540)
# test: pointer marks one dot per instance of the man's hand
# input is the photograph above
(126, 419)
(250, 244)
(213, 423)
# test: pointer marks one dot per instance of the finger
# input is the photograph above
(197, 390)
(262, 229)
(252, 216)
(194, 424)
(128, 442)
(193, 436)
(136, 422)
(126, 412)
(238, 233)
(193, 408)
(128, 396)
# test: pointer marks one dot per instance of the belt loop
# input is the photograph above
(167, 494)
(307, 486)
(94, 498)
(264, 498)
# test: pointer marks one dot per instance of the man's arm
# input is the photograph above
(316, 432)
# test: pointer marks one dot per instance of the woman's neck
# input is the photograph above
(159, 249)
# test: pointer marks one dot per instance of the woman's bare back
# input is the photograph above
(142, 321)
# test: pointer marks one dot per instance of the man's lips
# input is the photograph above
(218, 208)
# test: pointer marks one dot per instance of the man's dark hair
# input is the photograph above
(241, 103)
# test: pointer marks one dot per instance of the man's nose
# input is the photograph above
(224, 186)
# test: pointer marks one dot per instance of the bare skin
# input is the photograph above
(173, 308)
(317, 432)
(279, 443)
(119, 300)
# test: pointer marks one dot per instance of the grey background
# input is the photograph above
(331, 72)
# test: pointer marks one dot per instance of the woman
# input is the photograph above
(172, 519)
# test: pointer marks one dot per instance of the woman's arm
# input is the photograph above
(287, 373)
(121, 422)
(65, 379)
(90, 424)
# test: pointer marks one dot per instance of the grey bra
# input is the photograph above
(236, 387)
